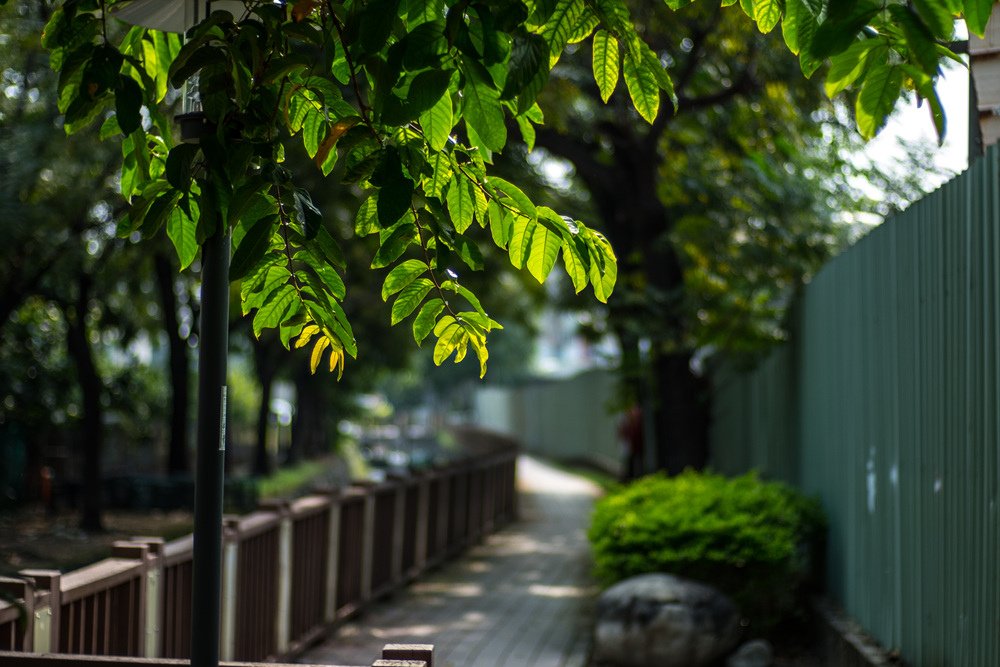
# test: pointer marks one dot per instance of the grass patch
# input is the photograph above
(603, 479)
(286, 482)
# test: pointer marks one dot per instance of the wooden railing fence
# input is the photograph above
(291, 570)
(393, 655)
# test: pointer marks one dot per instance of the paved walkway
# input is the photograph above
(519, 599)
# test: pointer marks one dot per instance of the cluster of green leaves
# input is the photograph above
(756, 541)
(413, 108)
(880, 48)
(412, 98)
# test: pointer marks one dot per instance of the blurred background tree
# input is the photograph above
(718, 212)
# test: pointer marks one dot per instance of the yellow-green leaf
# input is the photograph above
(401, 276)
(767, 13)
(409, 298)
(423, 323)
(461, 203)
(437, 122)
(642, 87)
(520, 239)
(317, 353)
(605, 63)
(543, 250)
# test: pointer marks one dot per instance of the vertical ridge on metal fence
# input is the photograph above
(885, 403)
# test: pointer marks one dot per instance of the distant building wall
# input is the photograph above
(562, 419)
(985, 58)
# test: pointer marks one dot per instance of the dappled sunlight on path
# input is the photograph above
(518, 599)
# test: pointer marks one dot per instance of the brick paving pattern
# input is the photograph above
(519, 599)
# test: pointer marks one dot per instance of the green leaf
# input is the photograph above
(603, 266)
(441, 173)
(977, 15)
(366, 220)
(252, 247)
(424, 46)
(642, 87)
(544, 249)
(802, 19)
(767, 13)
(838, 32)
(847, 66)
(401, 276)
(518, 198)
(937, 17)
(562, 25)
(919, 40)
(881, 88)
(323, 270)
(181, 230)
(465, 293)
(461, 203)
(423, 323)
(527, 132)
(258, 286)
(469, 253)
(395, 245)
(409, 298)
(437, 123)
(426, 89)
(128, 104)
(395, 189)
(575, 263)
(482, 110)
(501, 224)
(313, 131)
(449, 338)
(274, 309)
(520, 239)
(606, 59)
(308, 216)
(528, 70)
(179, 164)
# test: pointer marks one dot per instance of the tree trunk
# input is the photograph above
(91, 387)
(681, 420)
(265, 367)
(178, 456)
(309, 433)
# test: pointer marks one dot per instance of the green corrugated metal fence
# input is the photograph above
(885, 404)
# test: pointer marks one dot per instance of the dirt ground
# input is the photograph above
(31, 538)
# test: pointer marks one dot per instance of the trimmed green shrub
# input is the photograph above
(756, 541)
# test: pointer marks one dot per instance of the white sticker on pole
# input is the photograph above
(222, 422)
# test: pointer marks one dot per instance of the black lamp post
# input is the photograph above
(213, 344)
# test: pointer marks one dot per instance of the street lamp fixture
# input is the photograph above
(179, 16)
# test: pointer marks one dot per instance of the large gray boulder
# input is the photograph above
(659, 620)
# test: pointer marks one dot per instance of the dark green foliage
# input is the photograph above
(756, 541)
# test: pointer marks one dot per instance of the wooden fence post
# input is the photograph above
(283, 611)
(46, 615)
(398, 531)
(367, 545)
(423, 517)
(154, 594)
(443, 510)
(332, 556)
(230, 563)
(23, 589)
(421, 653)
(139, 552)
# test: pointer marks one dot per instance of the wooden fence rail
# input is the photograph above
(393, 655)
(290, 570)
